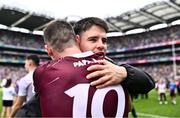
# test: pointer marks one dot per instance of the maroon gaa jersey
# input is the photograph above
(65, 92)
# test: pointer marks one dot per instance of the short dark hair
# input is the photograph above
(34, 58)
(86, 23)
(59, 34)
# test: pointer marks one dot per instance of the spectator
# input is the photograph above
(173, 91)
(25, 84)
(161, 86)
(8, 93)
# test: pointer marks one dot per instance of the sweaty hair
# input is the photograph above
(59, 35)
(86, 23)
(8, 83)
(34, 58)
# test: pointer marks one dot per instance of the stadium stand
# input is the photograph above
(14, 47)
(153, 51)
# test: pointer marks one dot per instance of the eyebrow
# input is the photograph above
(93, 37)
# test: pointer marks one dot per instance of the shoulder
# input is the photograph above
(24, 82)
(26, 78)
(42, 67)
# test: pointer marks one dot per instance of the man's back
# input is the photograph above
(65, 92)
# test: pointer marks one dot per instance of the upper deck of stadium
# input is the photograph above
(162, 12)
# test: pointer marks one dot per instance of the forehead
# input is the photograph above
(94, 31)
(27, 60)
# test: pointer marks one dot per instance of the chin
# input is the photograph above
(101, 53)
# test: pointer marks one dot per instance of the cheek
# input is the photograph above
(26, 65)
(86, 47)
(105, 47)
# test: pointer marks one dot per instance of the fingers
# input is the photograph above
(95, 74)
(101, 82)
(95, 67)
(108, 83)
(101, 66)
(106, 74)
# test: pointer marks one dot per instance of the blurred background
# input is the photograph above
(142, 33)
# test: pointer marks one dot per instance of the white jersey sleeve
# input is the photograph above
(25, 85)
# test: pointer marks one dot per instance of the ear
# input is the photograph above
(78, 40)
(45, 47)
(49, 50)
(31, 63)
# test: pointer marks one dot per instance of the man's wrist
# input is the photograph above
(123, 72)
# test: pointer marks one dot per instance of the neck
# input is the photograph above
(31, 69)
(68, 51)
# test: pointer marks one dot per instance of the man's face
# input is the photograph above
(94, 39)
(27, 64)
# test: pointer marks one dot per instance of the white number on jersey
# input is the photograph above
(80, 94)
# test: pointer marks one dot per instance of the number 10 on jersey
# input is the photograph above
(80, 94)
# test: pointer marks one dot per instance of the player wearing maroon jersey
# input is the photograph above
(62, 85)
(65, 92)
(91, 33)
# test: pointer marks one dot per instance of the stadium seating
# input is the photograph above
(150, 51)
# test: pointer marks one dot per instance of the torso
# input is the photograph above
(65, 92)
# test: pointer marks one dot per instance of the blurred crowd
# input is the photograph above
(122, 42)
(143, 39)
(20, 39)
(114, 44)
(161, 72)
(13, 72)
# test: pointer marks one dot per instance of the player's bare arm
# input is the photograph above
(17, 105)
